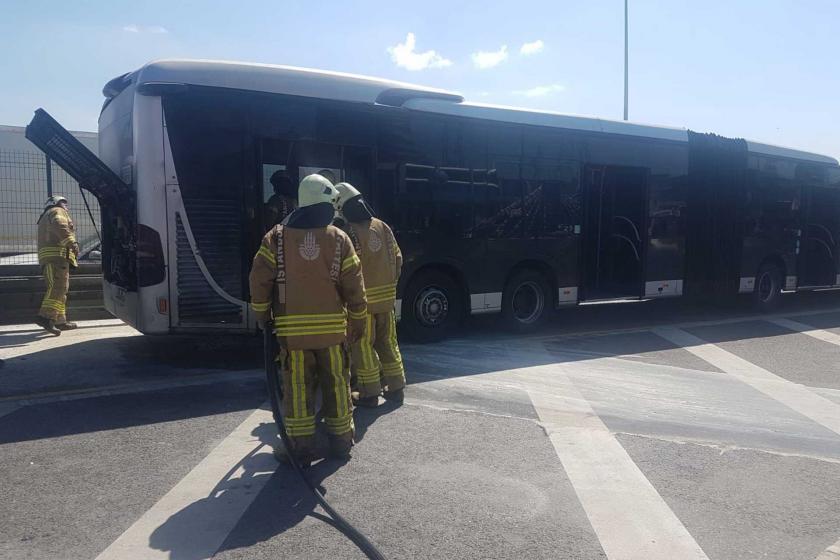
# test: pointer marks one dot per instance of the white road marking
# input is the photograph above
(793, 395)
(200, 535)
(830, 553)
(819, 334)
(630, 518)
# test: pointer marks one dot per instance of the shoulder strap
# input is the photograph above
(335, 267)
(280, 278)
(389, 241)
(354, 237)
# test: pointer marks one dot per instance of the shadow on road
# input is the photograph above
(284, 495)
(363, 418)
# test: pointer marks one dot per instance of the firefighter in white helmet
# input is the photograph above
(376, 361)
(57, 252)
(306, 275)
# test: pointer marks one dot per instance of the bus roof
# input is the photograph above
(288, 80)
(323, 84)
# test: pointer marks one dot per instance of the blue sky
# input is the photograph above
(762, 69)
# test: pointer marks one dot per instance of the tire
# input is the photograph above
(526, 300)
(432, 307)
(768, 288)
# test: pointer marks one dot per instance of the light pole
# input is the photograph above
(625, 63)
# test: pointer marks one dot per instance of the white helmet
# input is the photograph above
(54, 200)
(346, 191)
(315, 189)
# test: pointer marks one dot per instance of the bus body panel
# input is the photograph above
(116, 150)
(153, 299)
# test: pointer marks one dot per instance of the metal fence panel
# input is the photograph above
(23, 191)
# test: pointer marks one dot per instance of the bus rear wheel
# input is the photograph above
(432, 307)
(526, 300)
(768, 288)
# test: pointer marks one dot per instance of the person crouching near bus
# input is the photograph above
(305, 274)
(57, 252)
(376, 361)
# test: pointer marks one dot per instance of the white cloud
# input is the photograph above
(404, 56)
(155, 29)
(531, 48)
(484, 59)
(540, 91)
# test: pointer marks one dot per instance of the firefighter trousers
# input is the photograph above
(305, 371)
(376, 360)
(57, 277)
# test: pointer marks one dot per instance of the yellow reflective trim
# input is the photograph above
(313, 324)
(266, 253)
(67, 241)
(281, 332)
(260, 306)
(382, 299)
(337, 371)
(305, 421)
(376, 295)
(284, 318)
(384, 288)
(296, 367)
(369, 361)
(350, 262)
(358, 315)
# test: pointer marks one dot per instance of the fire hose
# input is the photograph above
(275, 393)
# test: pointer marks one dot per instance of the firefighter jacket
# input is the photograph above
(381, 262)
(56, 237)
(311, 280)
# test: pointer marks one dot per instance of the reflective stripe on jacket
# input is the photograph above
(314, 289)
(56, 237)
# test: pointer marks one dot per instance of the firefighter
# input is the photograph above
(307, 276)
(376, 361)
(282, 202)
(57, 253)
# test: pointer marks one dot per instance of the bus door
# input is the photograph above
(615, 237)
(818, 237)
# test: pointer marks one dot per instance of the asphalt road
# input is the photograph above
(648, 431)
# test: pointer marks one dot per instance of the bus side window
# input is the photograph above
(552, 198)
(498, 204)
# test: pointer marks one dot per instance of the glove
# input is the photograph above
(357, 330)
(75, 248)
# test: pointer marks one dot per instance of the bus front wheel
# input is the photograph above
(432, 307)
(768, 288)
(526, 300)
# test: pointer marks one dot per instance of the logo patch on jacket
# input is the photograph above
(309, 249)
(374, 241)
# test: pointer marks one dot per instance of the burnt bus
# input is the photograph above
(497, 210)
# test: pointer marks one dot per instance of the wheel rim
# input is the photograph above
(528, 302)
(431, 307)
(765, 287)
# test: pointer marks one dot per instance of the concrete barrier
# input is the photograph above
(22, 287)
